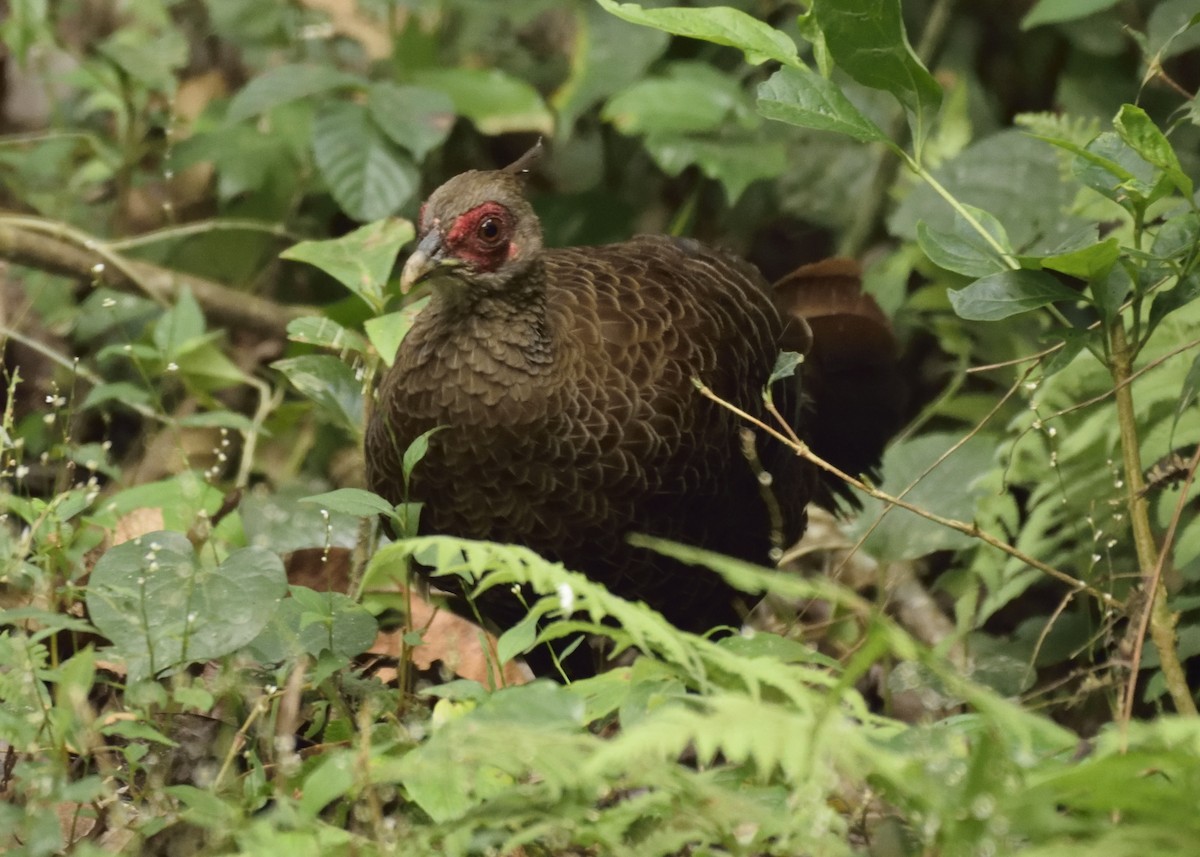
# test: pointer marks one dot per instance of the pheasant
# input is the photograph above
(564, 383)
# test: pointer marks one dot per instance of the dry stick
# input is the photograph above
(957, 445)
(1156, 614)
(55, 247)
(971, 530)
(1155, 580)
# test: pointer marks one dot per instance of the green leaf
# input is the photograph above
(785, 366)
(867, 39)
(351, 501)
(179, 325)
(996, 174)
(1057, 11)
(367, 175)
(417, 450)
(330, 384)
(334, 775)
(1110, 288)
(149, 59)
(1174, 298)
(1109, 166)
(1141, 134)
(734, 163)
(361, 260)
(327, 333)
(964, 250)
(800, 97)
(496, 102)
(607, 56)
(417, 118)
(518, 639)
(333, 622)
(311, 622)
(160, 607)
(693, 97)
(286, 83)
(386, 332)
(721, 25)
(204, 365)
(952, 489)
(1008, 293)
(1087, 263)
(118, 391)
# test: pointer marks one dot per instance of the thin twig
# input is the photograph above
(971, 530)
(58, 248)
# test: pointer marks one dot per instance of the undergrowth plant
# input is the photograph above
(189, 579)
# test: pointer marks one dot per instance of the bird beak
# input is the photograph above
(426, 262)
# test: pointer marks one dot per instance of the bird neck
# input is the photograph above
(508, 314)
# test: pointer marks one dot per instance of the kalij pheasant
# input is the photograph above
(563, 380)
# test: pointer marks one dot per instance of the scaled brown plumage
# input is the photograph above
(563, 378)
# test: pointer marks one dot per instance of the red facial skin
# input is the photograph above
(481, 237)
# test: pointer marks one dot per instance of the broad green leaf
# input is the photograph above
(1177, 237)
(417, 450)
(996, 174)
(1057, 11)
(1141, 134)
(518, 639)
(607, 56)
(219, 419)
(333, 622)
(721, 25)
(733, 163)
(867, 39)
(204, 365)
(361, 260)
(786, 364)
(1087, 263)
(952, 489)
(1110, 288)
(330, 384)
(386, 332)
(693, 97)
(1172, 28)
(963, 250)
(150, 60)
(1109, 166)
(180, 325)
(496, 102)
(1178, 296)
(1008, 293)
(800, 97)
(286, 83)
(311, 622)
(118, 391)
(325, 332)
(182, 498)
(333, 776)
(369, 177)
(351, 501)
(161, 607)
(280, 521)
(415, 117)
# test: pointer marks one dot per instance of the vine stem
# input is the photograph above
(963, 212)
(1157, 614)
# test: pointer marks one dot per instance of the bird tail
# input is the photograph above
(852, 394)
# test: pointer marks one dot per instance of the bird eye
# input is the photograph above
(489, 229)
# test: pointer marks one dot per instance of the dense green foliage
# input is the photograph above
(202, 206)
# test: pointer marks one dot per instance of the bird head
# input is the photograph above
(476, 231)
